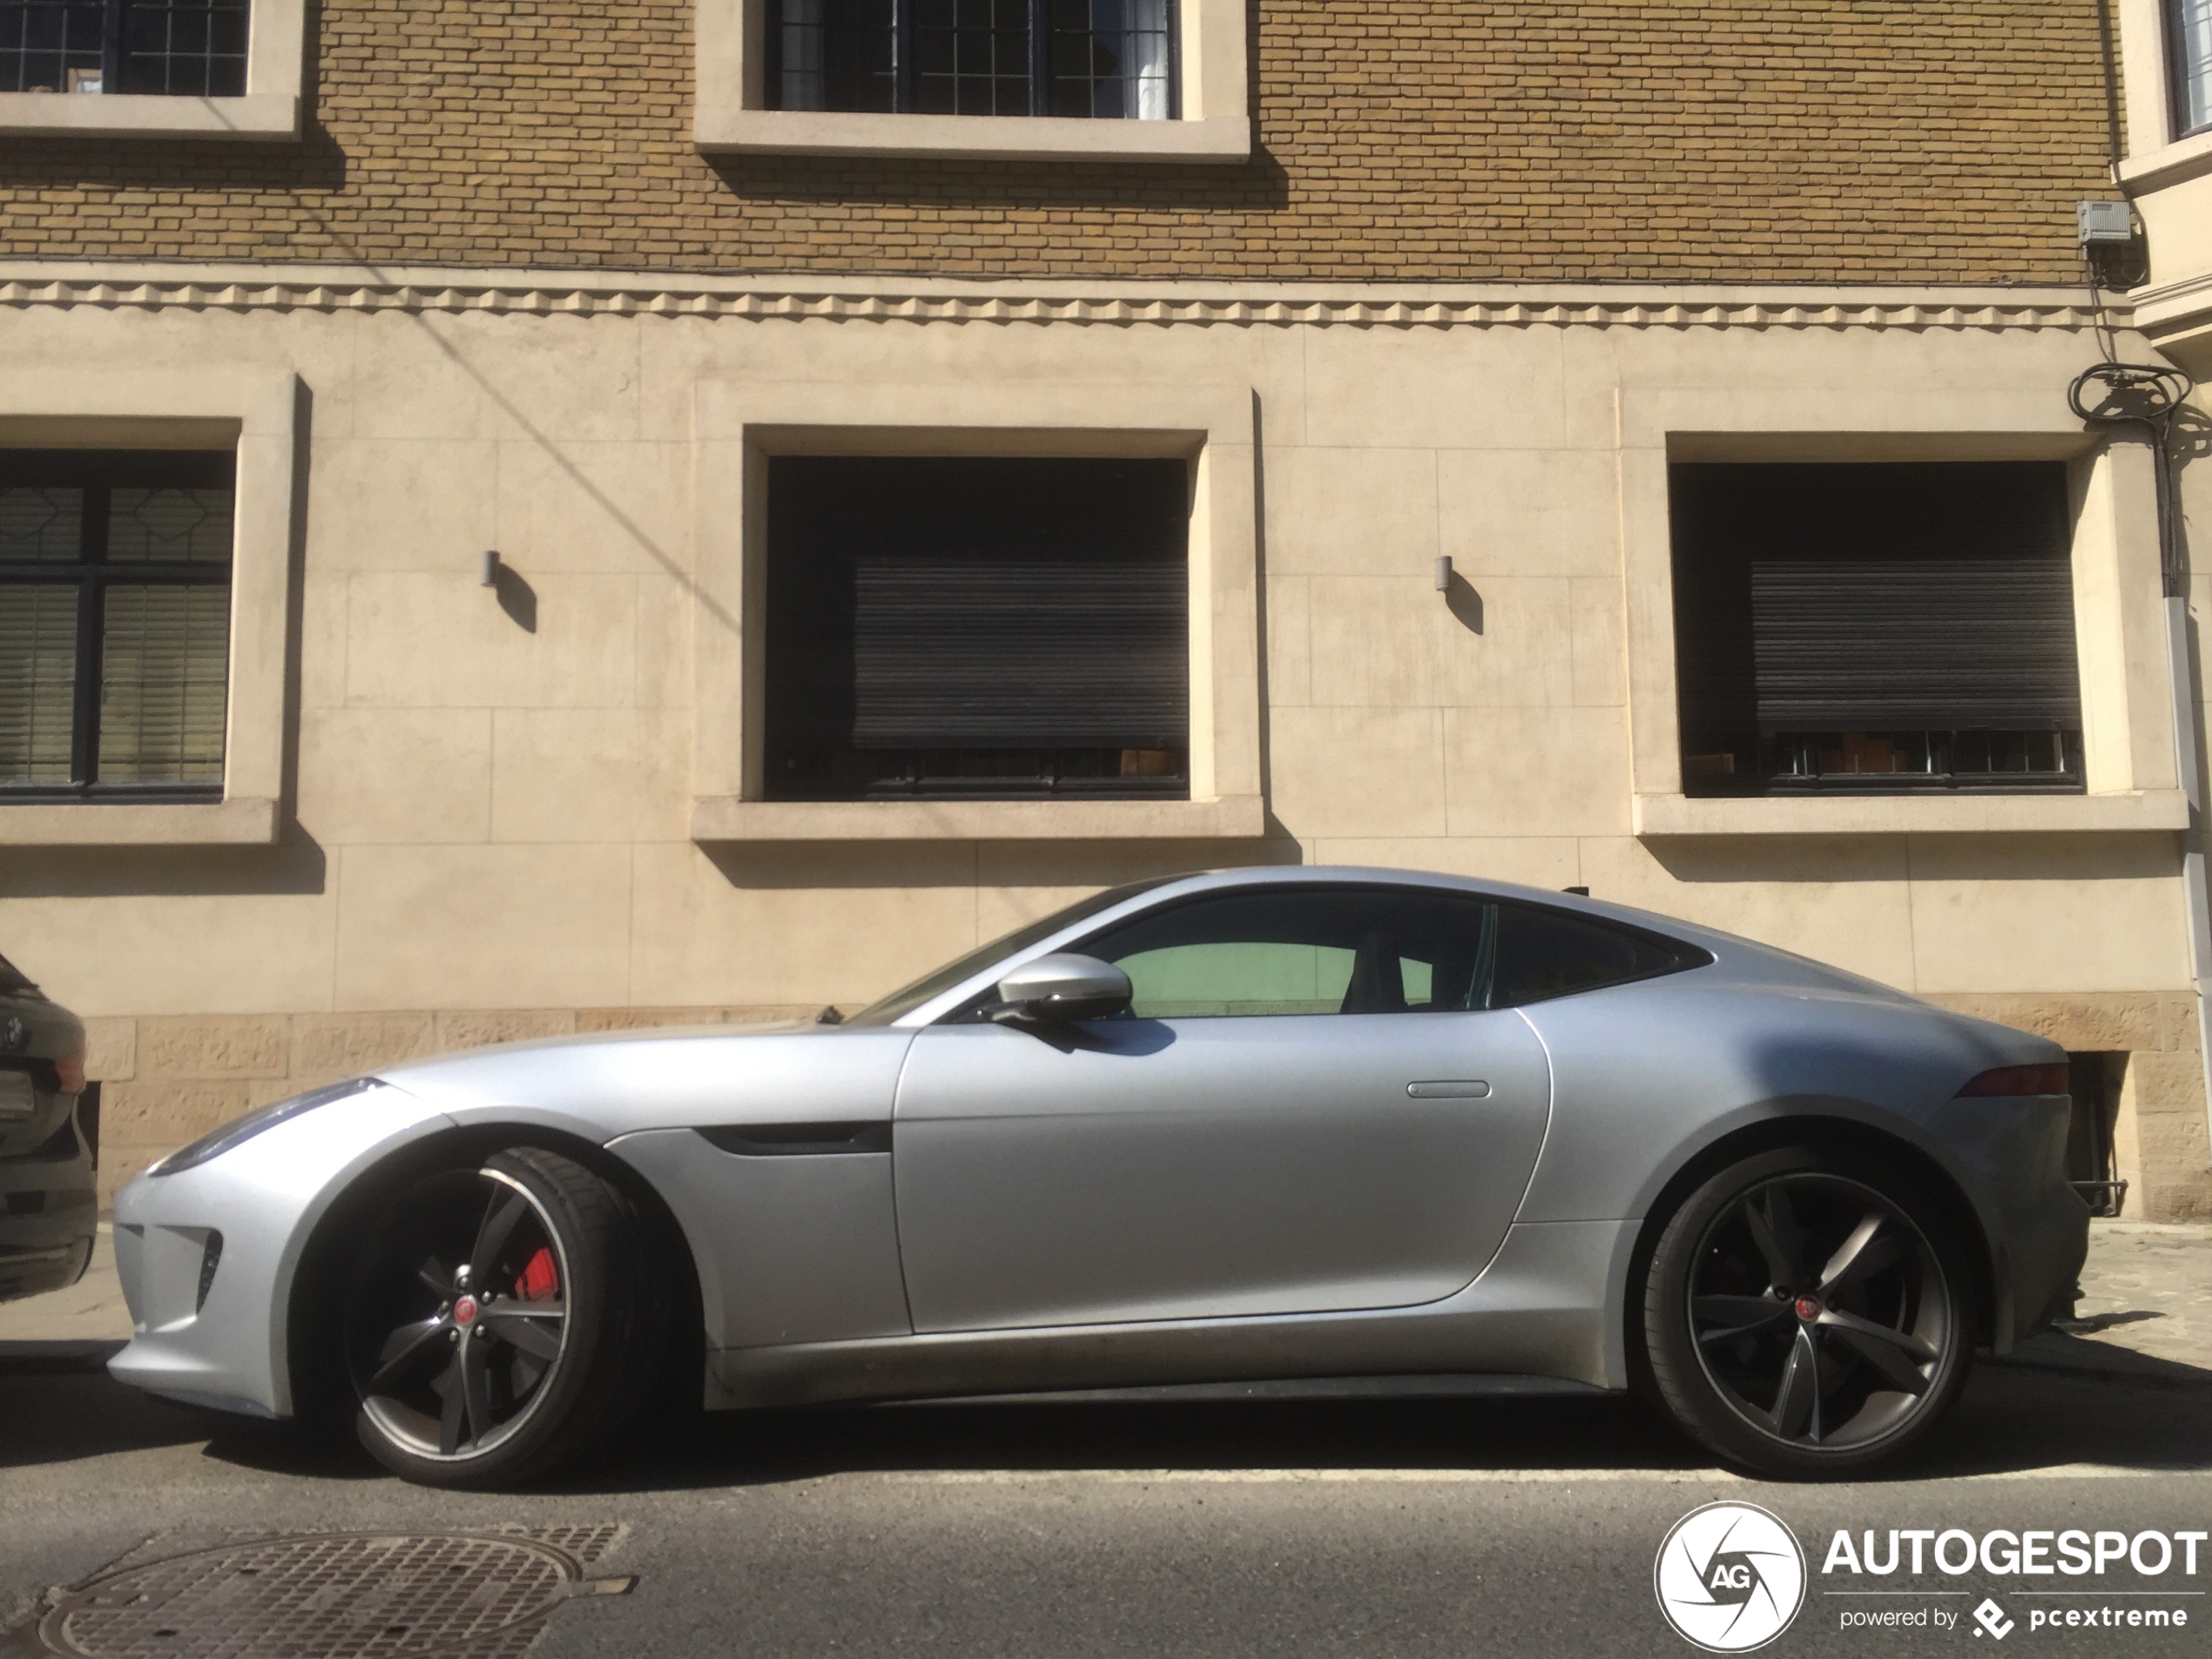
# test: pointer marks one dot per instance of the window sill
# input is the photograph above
(988, 138)
(1233, 818)
(2135, 810)
(75, 823)
(140, 114)
(2170, 164)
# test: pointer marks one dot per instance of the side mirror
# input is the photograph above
(1062, 987)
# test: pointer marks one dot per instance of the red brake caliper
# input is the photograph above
(539, 1280)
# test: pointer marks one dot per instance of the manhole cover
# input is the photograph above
(332, 1595)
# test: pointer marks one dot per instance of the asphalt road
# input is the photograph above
(1446, 1528)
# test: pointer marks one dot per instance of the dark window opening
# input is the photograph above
(1102, 60)
(115, 600)
(178, 48)
(999, 628)
(2095, 1083)
(1868, 628)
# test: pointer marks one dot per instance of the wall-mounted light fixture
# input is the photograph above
(1444, 573)
(491, 567)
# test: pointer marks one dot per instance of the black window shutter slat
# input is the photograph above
(922, 606)
(1950, 644)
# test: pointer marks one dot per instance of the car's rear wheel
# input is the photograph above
(502, 1316)
(1809, 1314)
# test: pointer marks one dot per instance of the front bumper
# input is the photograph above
(216, 1332)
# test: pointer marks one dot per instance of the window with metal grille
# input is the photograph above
(2189, 55)
(1872, 627)
(182, 48)
(992, 628)
(1105, 59)
(115, 591)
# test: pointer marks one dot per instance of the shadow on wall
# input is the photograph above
(296, 864)
(803, 865)
(1829, 860)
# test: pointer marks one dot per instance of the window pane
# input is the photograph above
(50, 45)
(2192, 48)
(1110, 58)
(41, 525)
(1306, 950)
(971, 57)
(38, 682)
(169, 524)
(164, 662)
(194, 48)
(1543, 953)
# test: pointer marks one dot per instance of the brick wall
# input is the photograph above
(1735, 140)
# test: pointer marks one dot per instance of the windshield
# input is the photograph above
(912, 997)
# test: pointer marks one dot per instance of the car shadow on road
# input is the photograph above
(2013, 1421)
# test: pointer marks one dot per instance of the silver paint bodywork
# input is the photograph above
(1156, 1202)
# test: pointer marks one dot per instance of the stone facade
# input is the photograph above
(1732, 141)
(1487, 270)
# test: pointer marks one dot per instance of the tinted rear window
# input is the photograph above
(12, 982)
(1546, 953)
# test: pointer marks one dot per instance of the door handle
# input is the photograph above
(1449, 1088)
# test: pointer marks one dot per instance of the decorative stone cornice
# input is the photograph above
(287, 288)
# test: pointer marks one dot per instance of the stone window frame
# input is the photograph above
(268, 110)
(254, 413)
(2119, 625)
(738, 424)
(731, 114)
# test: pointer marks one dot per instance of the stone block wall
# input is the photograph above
(168, 1080)
(2158, 1133)
(1726, 141)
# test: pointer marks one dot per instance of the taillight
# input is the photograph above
(70, 1069)
(2021, 1080)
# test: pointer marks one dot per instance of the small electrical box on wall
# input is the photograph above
(2104, 222)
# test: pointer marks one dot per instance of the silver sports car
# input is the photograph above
(1303, 1127)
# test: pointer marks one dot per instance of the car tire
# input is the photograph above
(1809, 1314)
(503, 1316)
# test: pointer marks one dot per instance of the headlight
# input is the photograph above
(240, 1130)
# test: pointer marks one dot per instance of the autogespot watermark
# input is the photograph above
(1730, 1577)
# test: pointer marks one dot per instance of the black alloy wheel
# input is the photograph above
(1807, 1313)
(501, 1317)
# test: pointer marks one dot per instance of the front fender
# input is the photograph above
(230, 1348)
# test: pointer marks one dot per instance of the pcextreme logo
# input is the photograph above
(1729, 1577)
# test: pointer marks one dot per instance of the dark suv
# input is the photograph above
(49, 1135)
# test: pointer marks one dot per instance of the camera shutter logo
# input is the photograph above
(1729, 1577)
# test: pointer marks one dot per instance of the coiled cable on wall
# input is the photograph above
(2150, 396)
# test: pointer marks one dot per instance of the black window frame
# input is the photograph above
(119, 43)
(1042, 75)
(99, 473)
(1717, 638)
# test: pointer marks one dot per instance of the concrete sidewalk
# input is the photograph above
(2145, 1313)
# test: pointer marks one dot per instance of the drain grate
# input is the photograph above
(333, 1595)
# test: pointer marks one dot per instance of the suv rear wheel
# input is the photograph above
(1809, 1314)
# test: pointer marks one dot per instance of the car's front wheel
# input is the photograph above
(501, 1317)
(1809, 1312)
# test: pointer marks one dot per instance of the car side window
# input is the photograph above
(1546, 953)
(1303, 950)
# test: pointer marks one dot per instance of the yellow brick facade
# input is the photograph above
(1736, 141)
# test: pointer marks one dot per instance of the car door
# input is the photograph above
(1311, 1109)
